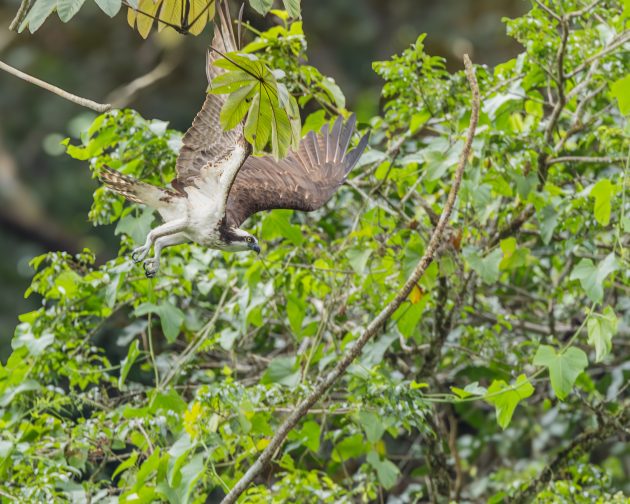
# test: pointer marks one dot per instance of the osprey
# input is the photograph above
(219, 185)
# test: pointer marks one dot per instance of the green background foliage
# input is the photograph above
(508, 353)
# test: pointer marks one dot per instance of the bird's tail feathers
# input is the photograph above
(136, 190)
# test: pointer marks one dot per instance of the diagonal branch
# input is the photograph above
(84, 102)
(373, 328)
(582, 444)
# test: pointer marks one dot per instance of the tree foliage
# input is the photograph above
(493, 381)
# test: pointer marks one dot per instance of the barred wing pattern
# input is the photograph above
(305, 180)
(205, 143)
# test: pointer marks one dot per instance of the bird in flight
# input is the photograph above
(219, 184)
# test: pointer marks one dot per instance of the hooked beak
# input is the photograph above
(255, 247)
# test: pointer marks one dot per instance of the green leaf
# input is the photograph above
(548, 219)
(506, 397)
(386, 471)
(282, 370)
(620, 89)
(418, 120)
(592, 277)
(258, 124)
(314, 122)
(292, 7)
(601, 329)
(277, 224)
(408, 316)
(358, 258)
(24, 337)
(513, 256)
(486, 267)
(372, 425)
(334, 91)
(602, 192)
(38, 14)
(137, 227)
(564, 367)
(125, 365)
(66, 9)
(109, 7)
(236, 106)
(130, 462)
(171, 317)
(296, 310)
(309, 435)
(472, 389)
(261, 6)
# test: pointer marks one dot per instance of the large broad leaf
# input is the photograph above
(282, 370)
(125, 365)
(40, 10)
(506, 397)
(601, 329)
(261, 6)
(386, 471)
(619, 89)
(486, 267)
(171, 317)
(602, 193)
(187, 16)
(564, 367)
(592, 277)
(136, 227)
(372, 425)
(109, 7)
(236, 106)
(66, 9)
(292, 7)
(273, 119)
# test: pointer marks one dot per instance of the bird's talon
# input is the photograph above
(138, 254)
(151, 267)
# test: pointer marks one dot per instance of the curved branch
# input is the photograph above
(372, 329)
(84, 102)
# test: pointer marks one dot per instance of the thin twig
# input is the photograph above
(585, 159)
(123, 95)
(84, 102)
(22, 12)
(374, 327)
(619, 40)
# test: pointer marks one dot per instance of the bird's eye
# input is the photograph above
(250, 239)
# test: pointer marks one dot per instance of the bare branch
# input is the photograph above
(547, 10)
(122, 96)
(585, 159)
(584, 10)
(373, 328)
(619, 40)
(84, 102)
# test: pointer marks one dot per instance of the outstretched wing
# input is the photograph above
(305, 180)
(205, 143)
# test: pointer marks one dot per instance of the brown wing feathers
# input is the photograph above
(305, 180)
(205, 141)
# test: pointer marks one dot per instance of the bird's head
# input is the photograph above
(238, 240)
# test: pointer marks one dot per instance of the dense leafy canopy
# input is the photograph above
(513, 334)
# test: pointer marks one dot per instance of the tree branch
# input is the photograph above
(123, 95)
(585, 159)
(373, 328)
(84, 102)
(582, 444)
